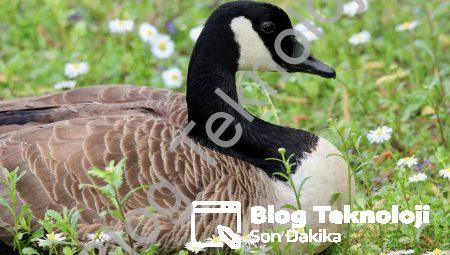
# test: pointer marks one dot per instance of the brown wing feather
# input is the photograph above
(93, 101)
(108, 124)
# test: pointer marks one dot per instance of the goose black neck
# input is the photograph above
(213, 66)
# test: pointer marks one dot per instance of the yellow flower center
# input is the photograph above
(52, 237)
(360, 37)
(215, 239)
(163, 45)
(174, 76)
(149, 32)
(437, 252)
(121, 23)
(379, 132)
(76, 67)
(195, 248)
(300, 230)
(447, 170)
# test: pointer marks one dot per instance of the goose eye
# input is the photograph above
(268, 27)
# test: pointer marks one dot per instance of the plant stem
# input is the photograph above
(297, 196)
(272, 107)
(288, 167)
(122, 214)
(349, 184)
(437, 74)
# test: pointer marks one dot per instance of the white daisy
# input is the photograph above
(407, 26)
(247, 240)
(121, 26)
(65, 85)
(173, 78)
(147, 32)
(408, 161)
(380, 134)
(445, 173)
(51, 239)
(163, 46)
(215, 240)
(420, 177)
(73, 70)
(99, 237)
(400, 252)
(194, 247)
(307, 33)
(352, 8)
(359, 38)
(195, 33)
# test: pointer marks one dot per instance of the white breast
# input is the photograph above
(328, 175)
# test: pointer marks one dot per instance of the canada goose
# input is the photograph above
(56, 139)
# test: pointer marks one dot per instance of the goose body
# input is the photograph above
(55, 139)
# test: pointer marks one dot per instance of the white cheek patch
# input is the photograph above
(254, 55)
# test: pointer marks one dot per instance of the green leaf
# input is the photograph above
(334, 198)
(441, 155)
(69, 251)
(117, 214)
(97, 172)
(53, 214)
(36, 235)
(118, 251)
(274, 159)
(24, 215)
(302, 184)
(29, 251)
(290, 207)
(129, 194)
(333, 155)
(4, 203)
(151, 250)
(281, 175)
(74, 219)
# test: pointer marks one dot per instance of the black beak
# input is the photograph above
(311, 64)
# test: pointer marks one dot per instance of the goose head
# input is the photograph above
(247, 35)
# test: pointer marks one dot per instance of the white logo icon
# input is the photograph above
(226, 234)
(230, 238)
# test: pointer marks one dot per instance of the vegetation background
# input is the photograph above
(395, 79)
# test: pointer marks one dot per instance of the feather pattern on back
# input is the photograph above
(56, 139)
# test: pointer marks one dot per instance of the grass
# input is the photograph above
(398, 79)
